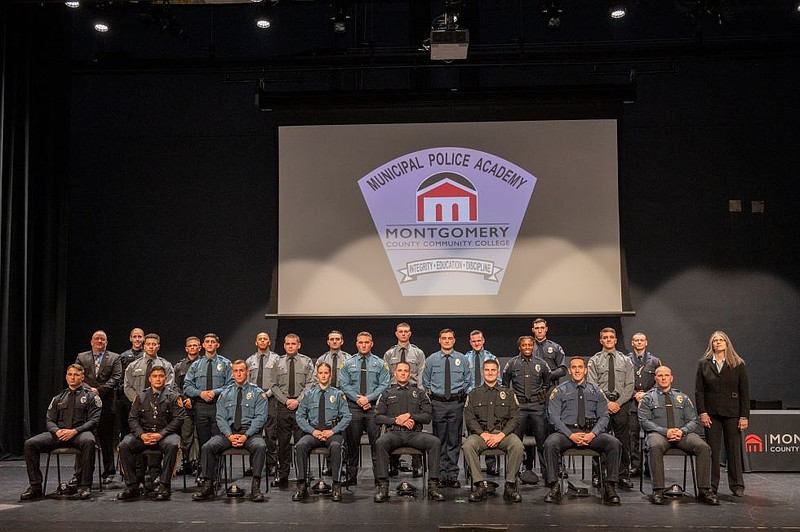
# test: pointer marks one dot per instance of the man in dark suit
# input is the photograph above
(103, 373)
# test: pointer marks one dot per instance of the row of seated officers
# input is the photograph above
(231, 409)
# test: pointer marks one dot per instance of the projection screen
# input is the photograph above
(468, 218)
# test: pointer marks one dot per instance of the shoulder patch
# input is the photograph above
(263, 395)
(98, 402)
(179, 400)
(553, 393)
(386, 366)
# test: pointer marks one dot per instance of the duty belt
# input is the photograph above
(453, 398)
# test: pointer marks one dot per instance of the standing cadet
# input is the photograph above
(156, 418)
(71, 417)
(259, 364)
(240, 417)
(578, 411)
(549, 351)
(446, 379)
(645, 365)
(402, 409)
(103, 374)
(363, 378)
(189, 444)
(323, 415)
(528, 376)
(475, 358)
(290, 379)
(405, 351)
(204, 381)
(612, 372)
(126, 357)
(491, 415)
(335, 357)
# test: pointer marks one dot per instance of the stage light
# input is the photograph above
(101, 27)
(72, 5)
(552, 12)
(617, 9)
(263, 23)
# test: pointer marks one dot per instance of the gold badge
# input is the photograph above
(503, 396)
(680, 398)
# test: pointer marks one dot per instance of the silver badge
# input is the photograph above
(503, 396)
(458, 362)
(333, 399)
(414, 393)
(83, 399)
(249, 395)
(538, 368)
(219, 366)
(549, 349)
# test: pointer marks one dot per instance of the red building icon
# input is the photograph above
(753, 444)
(447, 197)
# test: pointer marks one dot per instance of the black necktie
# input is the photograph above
(527, 384)
(477, 368)
(670, 410)
(292, 395)
(490, 417)
(321, 421)
(581, 407)
(612, 378)
(362, 390)
(540, 350)
(260, 377)
(237, 417)
(149, 366)
(402, 354)
(335, 370)
(209, 375)
(69, 419)
(447, 383)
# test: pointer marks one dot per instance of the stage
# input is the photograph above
(770, 501)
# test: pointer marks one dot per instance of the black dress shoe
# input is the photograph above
(510, 493)
(280, 482)
(658, 497)
(206, 492)
(131, 492)
(737, 492)
(625, 483)
(478, 492)
(529, 477)
(31, 494)
(554, 495)
(162, 492)
(709, 497)
(610, 494)
(84, 493)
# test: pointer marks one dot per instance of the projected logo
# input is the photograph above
(448, 218)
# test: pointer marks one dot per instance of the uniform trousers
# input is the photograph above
(725, 429)
(213, 449)
(306, 444)
(619, 424)
(189, 438)
(46, 442)
(271, 434)
(474, 445)
(634, 428)
(533, 423)
(363, 420)
(131, 447)
(603, 443)
(205, 420)
(448, 425)
(394, 439)
(106, 434)
(286, 428)
(691, 443)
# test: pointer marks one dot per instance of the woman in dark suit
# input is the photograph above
(723, 402)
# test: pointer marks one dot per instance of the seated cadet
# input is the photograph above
(156, 417)
(402, 410)
(241, 414)
(491, 415)
(578, 411)
(71, 417)
(323, 415)
(669, 420)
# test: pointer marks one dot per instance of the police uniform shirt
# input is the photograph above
(644, 370)
(86, 413)
(337, 414)
(415, 357)
(136, 375)
(303, 377)
(378, 377)
(433, 376)
(562, 407)
(484, 354)
(514, 378)
(163, 414)
(653, 412)
(398, 400)
(221, 375)
(597, 374)
(126, 357)
(181, 369)
(270, 359)
(497, 398)
(553, 354)
(254, 409)
(327, 358)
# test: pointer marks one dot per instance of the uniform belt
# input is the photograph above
(398, 428)
(453, 398)
(589, 425)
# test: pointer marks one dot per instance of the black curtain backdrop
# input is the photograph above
(34, 117)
